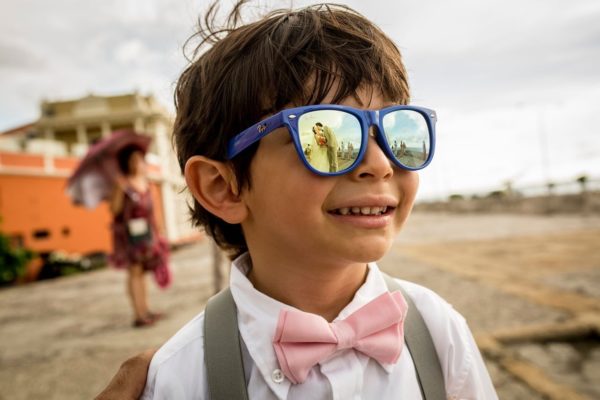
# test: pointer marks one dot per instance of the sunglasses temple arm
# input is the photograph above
(253, 134)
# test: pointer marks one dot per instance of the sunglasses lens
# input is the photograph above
(407, 135)
(330, 139)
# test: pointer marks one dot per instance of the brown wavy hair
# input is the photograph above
(239, 73)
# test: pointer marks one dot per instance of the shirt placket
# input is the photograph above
(345, 374)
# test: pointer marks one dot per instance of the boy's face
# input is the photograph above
(293, 212)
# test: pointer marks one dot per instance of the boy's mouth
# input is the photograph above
(363, 211)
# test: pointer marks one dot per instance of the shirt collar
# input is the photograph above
(258, 315)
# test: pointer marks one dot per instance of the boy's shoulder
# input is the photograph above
(442, 320)
(463, 368)
(177, 368)
(426, 299)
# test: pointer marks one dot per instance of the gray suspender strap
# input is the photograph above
(223, 352)
(419, 343)
(222, 349)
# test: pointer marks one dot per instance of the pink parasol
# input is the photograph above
(94, 178)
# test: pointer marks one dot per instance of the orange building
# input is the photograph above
(37, 213)
(36, 160)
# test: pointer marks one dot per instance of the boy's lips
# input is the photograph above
(367, 205)
(365, 212)
(362, 211)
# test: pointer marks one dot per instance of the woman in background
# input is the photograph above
(136, 243)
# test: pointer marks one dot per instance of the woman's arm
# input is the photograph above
(116, 200)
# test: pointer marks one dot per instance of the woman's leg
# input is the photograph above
(136, 285)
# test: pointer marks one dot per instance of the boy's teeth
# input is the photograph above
(362, 210)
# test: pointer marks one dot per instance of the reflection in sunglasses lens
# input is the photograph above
(407, 134)
(330, 139)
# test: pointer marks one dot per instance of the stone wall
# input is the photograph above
(586, 202)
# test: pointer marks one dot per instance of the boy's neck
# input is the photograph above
(317, 289)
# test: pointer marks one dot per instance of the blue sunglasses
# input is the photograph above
(332, 139)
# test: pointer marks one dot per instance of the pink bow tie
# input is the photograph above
(302, 340)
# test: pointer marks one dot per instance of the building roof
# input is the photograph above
(19, 130)
(95, 105)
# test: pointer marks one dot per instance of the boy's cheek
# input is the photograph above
(409, 181)
(409, 184)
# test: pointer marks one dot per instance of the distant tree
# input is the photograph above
(496, 194)
(582, 180)
(455, 196)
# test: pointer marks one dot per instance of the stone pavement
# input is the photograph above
(529, 287)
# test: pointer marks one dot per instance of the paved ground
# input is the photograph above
(515, 278)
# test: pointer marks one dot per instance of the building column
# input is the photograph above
(82, 134)
(105, 128)
(138, 125)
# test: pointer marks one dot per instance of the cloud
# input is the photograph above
(18, 56)
(65, 50)
(490, 54)
(129, 51)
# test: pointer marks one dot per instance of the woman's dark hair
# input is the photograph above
(238, 74)
(123, 157)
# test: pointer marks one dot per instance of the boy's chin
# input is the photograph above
(369, 252)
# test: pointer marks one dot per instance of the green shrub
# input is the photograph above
(12, 261)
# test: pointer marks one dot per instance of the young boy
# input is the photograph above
(303, 239)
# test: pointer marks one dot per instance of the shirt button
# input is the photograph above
(277, 376)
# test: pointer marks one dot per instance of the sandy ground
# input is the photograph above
(64, 339)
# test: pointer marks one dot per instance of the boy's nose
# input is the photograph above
(375, 164)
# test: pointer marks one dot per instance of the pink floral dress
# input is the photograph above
(135, 237)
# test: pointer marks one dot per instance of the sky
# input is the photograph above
(515, 84)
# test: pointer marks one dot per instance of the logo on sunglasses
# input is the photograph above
(261, 128)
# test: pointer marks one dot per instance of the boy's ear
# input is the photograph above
(214, 186)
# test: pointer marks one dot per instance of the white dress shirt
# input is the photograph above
(177, 370)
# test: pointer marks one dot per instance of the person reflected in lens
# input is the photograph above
(406, 154)
(332, 146)
(307, 152)
(318, 132)
(319, 159)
